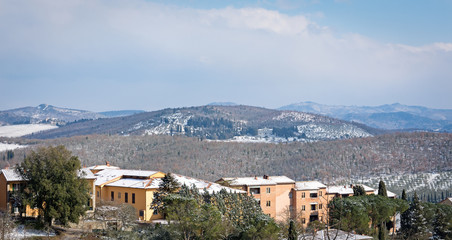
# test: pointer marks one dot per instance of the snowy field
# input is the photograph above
(23, 129)
(8, 146)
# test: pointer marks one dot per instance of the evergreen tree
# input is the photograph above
(413, 222)
(293, 235)
(382, 189)
(404, 197)
(358, 190)
(167, 186)
(441, 226)
(54, 185)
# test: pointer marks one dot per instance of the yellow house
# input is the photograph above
(11, 183)
(137, 188)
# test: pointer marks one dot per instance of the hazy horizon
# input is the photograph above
(149, 55)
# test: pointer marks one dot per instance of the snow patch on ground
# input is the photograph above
(9, 146)
(23, 129)
(21, 233)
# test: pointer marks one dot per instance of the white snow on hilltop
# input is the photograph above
(23, 129)
(8, 146)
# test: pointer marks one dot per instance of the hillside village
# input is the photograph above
(279, 197)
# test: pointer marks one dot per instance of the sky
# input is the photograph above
(102, 55)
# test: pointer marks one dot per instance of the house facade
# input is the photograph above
(11, 183)
(137, 188)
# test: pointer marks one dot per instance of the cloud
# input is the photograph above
(239, 54)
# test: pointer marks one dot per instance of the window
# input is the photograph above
(112, 196)
(98, 194)
(320, 193)
(290, 195)
(155, 212)
(313, 195)
(268, 203)
(255, 191)
(320, 206)
(141, 213)
(313, 207)
(303, 207)
(133, 197)
(303, 195)
(303, 220)
(268, 190)
(126, 197)
(119, 195)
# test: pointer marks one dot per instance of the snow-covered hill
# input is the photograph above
(240, 123)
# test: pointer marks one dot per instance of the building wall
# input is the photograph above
(283, 200)
(265, 198)
(303, 198)
(3, 192)
(143, 200)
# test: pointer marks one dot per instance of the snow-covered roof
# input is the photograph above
(308, 185)
(107, 175)
(203, 184)
(347, 189)
(102, 167)
(11, 175)
(85, 173)
(258, 181)
(135, 183)
(390, 194)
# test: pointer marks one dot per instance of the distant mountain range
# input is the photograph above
(235, 123)
(55, 115)
(392, 117)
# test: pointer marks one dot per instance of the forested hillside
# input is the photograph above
(220, 122)
(329, 161)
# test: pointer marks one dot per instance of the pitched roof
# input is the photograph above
(11, 175)
(85, 173)
(107, 175)
(390, 194)
(102, 167)
(203, 184)
(258, 181)
(309, 185)
(347, 189)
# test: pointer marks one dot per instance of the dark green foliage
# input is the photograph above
(404, 197)
(357, 212)
(169, 185)
(413, 222)
(285, 131)
(293, 235)
(441, 228)
(358, 190)
(382, 189)
(219, 215)
(53, 184)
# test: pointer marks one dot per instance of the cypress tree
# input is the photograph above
(293, 235)
(382, 189)
(404, 197)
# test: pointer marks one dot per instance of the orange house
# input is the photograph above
(11, 183)
(310, 202)
(272, 192)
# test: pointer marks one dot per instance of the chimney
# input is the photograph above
(255, 177)
(107, 163)
(266, 177)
